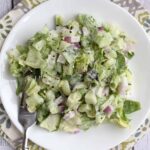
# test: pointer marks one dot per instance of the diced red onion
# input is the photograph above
(108, 110)
(76, 131)
(101, 28)
(67, 39)
(69, 115)
(77, 45)
(61, 108)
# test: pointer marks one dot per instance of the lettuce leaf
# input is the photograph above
(131, 106)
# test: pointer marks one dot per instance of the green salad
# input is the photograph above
(76, 76)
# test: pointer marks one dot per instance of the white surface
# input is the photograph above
(145, 3)
(102, 135)
(5, 6)
(4, 145)
(144, 143)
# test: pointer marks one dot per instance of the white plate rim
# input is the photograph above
(29, 13)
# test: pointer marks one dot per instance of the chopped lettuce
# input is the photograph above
(51, 123)
(68, 126)
(42, 112)
(131, 106)
(59, 21)
(122, 118)
(50, 95)
(73, 99)
(86, 122)
(53, 107)
(82, 62)
(87, 21)
(34, 59)
(121, 63)
(65, 87)
(76, 75)
(33, 102)
(90, 98)
(31, 86)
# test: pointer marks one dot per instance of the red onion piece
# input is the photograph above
(101, 28)
(61, 108)
(76, 131)
(108, 110)
(77, 45)
(67, 39)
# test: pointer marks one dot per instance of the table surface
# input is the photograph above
(7, 5)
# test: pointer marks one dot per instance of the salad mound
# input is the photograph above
(76, 76)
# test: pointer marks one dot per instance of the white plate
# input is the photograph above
(97, 138)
